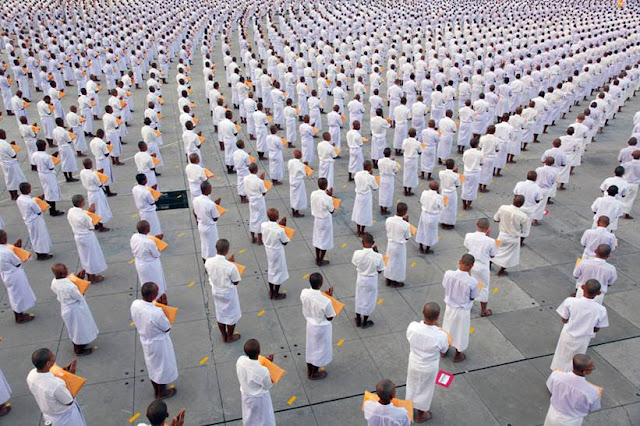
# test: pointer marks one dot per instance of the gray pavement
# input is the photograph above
(501, 382)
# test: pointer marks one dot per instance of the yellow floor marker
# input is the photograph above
(95, 347)
(292, 400)
(340, 342)
(343, 245)
(134, 417)
(380, 301)
(181, 234)
(191, 284)
(134, 215)
(471, 329)
(261, 313)
(495, 289)
(131, 261)
(241, 251)
(413, 264)
(203, 360)
(131, 324)
(305, 276)
(459, 214)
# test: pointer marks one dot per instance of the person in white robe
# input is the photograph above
(276, 161)
(512, 224)
(241, 162)
(365, 183)
(154, 329)
(632, 176)
(275, 238)
(583, 317)
(228, 132)
(460, 289)
(96, 194)
(427, 343)
(21, 296)
(449, 182)
(146, 203)
(54, 400)
(465, 115)
(383, 412)
(431, 206)
(430, 138)
(411, 150)
(592, 238)
(398, 233)
(327, 154)
(572, 396)
(31, 213)
(224, 278)
(207, 215)
(369, 265)
(47, 176)
(532, 194)
(318, 311)
(13, 175)
(5, 394)
(483, 248)
(322, 208)
(74, 309)
(596, 268)
(89, 251)
(489, 147)
(147, 258)
(100, 151)
(145, 164)
(388, 169)
(472, 160)
(307, 133)
(547, 177)
(255, 383)
(29, 136)
(379, 126)
(195, 174)
(447, 128)
(256, 191)
(74, 120)
(297, 190)
(608, 205)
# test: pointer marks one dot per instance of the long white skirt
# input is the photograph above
(277, 265)
(464, 133)
(627, 202)
(444, 146)
(396, 269)
(326, 171)
(319, 349)
(428, 159)
(208, 240)
(377, 147)
(240, 183)
(68, 159)
(421, 383)
(486, 173)
(154, 221)
(538, 213)
(449, 215)
(39, 235)
(366, 294)
(151, 271)
(457, 322)
(21, 297)
(72, 417)
(103, 210)
(385, 192)
(90, 253)
(567, 347)
(227, 304)
(410, 173)
(400, 134)
(356, 160)
(470, 186)
(482, 273)
(508, 252)
(50, 186)
(323, 233)
(529, 211)
(13, 175)
(80, 324)
(428, 229)
(257, 410)
(556, 418)
(5, 389)
(257, 214)
(160, 359)
(298, 194)
(362, 213)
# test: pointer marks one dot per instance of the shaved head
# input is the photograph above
(431, 311)
(386, 390)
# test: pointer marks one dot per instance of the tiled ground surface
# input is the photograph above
(502, 381)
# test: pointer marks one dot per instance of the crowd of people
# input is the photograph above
(404, 83)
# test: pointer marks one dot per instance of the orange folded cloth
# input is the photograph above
(44, 206)
(221, 210)
(159, 116)
(118, 121)
(25, 104)
(22, 254)
(51, 108)
(95, 219)
(158, 133)
(289, 231)
(123, 104)
(208, 174)
(35, 129)
(238, 128)
(578, 261)
(446, 201)
(343, 118)
(169, 311)
(252, 159)
(283, 141)
(267, 184)
(162, 245)
(156, 194)
(399, 166)
(201, 138)
(93, 103)
(82, 285)
(72, 135)
(337, 305)
(315, 130)
(378, 180)
(275, 372)
(240, 267)
(336, 203)
(413, 230)
(400, 403)
(336, 151)
(497, 243)
(155, 160)
(74, 383)
(55, 160)
(102, 177)
(109, 147)
(16, 148)
(385, 259)
(269, 119)
(308, 170)
(461, 177)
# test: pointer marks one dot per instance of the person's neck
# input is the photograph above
(579, 373)
(384, 402)
(44, 370)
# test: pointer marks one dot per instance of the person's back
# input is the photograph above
(377, 414)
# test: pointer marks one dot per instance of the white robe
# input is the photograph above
(96, 195)
(146, 206)
(322, 209)
(377, 414)
(37, 227)
(297, 189)
(75, 312)
(257, 207)
(147, 260)
(255, 382)
(5, 389)
(47, 175)
(21, 297)
(316, 308)
(54, 399)
(153, 328)
(368, 265)
(274, 239)
(222, 275)
(362, 213)
(398, 233)
(89, 251)
(207, 214)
